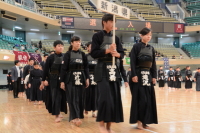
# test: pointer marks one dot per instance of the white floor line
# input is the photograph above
(144, 129)
(178, 121)
(21, 112)
(170, 104)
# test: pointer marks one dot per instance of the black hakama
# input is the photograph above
(21, 89)
(109, 101)
(197, 76)
(58, 97)
(90, 98)
(171, 83)
(188, 84)
(143, 105)
(27, 91)
(48, 102)
(75, 100)
(35, 92)
(35, 81)
(177, 83)
(161, 83)
(55, 97)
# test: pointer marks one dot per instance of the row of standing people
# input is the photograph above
(69, 74)
(175, 78)
(66, 77)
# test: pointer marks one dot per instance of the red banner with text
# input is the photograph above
(23, 57)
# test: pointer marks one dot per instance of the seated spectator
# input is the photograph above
(37, 51)
(15, 49)
(22, 47)
(173, 57)
(181, 56)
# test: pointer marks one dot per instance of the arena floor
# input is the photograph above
(178, 112)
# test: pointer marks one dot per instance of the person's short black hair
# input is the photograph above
(36, 63)
(88, 44)
(161, 66)
(16, 61)
(145, 31)
(198, 68)
(170, 67)
(187, 66)
(107, 17)
(31, 59)
(57, 42)
(46, 55)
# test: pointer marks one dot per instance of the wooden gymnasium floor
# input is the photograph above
(178, 112)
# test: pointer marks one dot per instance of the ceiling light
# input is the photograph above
(34, 29)
(170, 35)
(185, 35)
(16, 27)
(71, 31)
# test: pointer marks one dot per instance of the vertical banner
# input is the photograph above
(35, 57)
(179, 28)
(23, 57)
(166, 63)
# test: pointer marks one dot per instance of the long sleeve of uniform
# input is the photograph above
(96, 52)
(46, 69)
(25, 71)
(123, 71)
(158, 74)
(86, 66)
(133, 54)
(31, 77)
(186, 74)
(97, 40)
(153, 69)
(65, 66)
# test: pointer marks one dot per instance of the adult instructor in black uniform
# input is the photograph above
(143, 73)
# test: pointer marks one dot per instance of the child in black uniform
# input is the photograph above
(56, 97)
(143, 75)
(108, 79)
(91, 92)
(34, 84)
(161, 78)
(74, 78)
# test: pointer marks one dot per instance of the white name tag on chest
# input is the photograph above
(78, 60)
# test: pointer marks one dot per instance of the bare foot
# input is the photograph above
(60, 115)
(78, 122)
(57, 119)
(73, 122)
(86, 112)
(140, 125)
(94, 115)
(145, 126)
(110, 131)
(103, 129)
